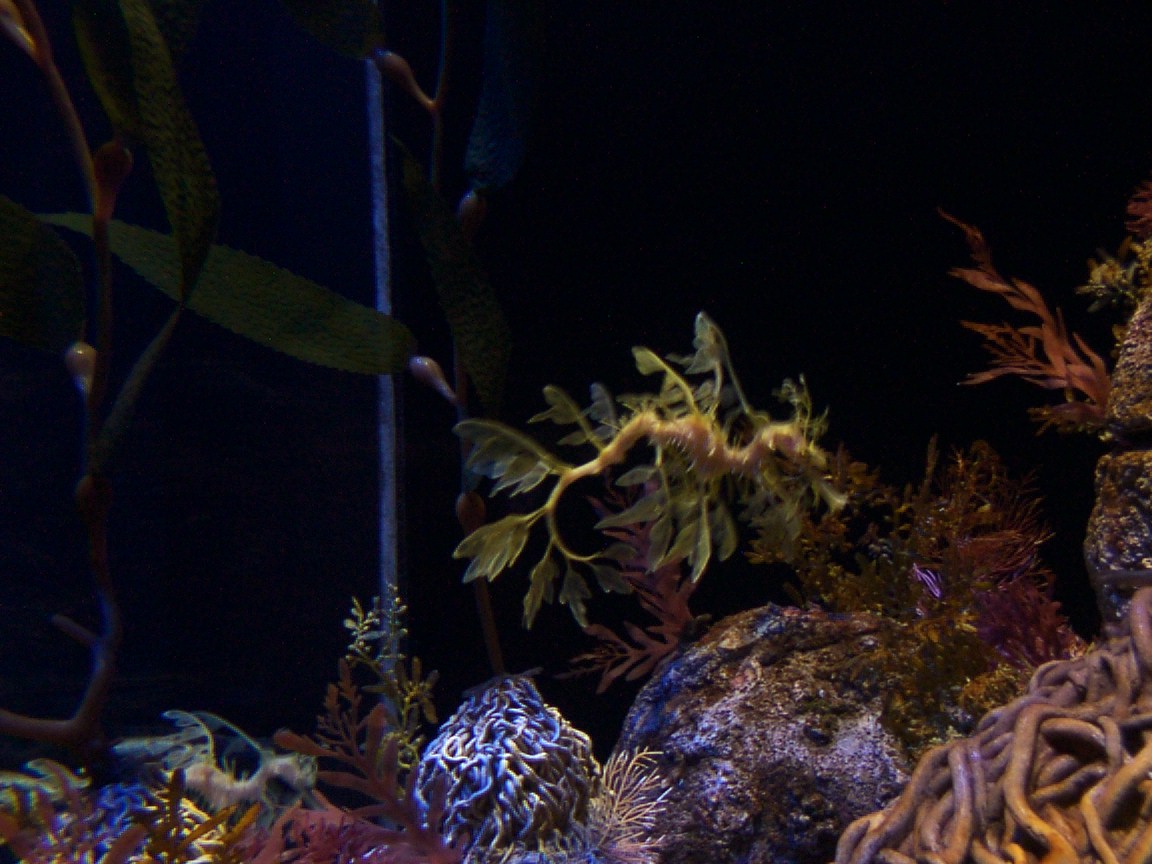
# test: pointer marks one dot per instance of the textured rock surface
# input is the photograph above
(1130, 403)
(1118, 545)
(773, 747)
(1120, 529)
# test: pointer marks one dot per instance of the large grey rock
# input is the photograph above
(771, 736)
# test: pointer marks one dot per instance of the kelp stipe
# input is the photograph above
(708, 446)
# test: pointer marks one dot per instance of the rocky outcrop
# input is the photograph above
(772, 741)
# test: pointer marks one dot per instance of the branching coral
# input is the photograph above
(177, 831)
(1059, 775)
(374, 750)
(377, 633)
(705, 439)
(623, 816)
(140, 826)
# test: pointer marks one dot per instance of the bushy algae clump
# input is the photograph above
(689, 448)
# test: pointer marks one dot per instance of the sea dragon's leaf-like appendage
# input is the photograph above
(707, 445)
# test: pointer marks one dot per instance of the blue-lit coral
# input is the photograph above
(518, 775)
(518, 781)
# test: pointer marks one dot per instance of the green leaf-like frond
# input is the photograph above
(179, 162)
(711, 349)
(265, 303)
(573, 594)
(693, 540)
(41, 286)
(602, 409)
(562, 408)
(494, 547)
(644, 510)
(541, 587)
(648, 362)
(511, 458)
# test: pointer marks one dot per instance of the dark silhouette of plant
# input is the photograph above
(130, 55)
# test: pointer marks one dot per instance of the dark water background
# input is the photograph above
(778, 165)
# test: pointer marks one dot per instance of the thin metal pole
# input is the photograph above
(389, 521)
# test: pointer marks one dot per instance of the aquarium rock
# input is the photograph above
(774, 744)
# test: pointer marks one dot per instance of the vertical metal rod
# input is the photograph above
(389, 475)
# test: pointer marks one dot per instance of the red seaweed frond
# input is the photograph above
(1044, 354)
(329, 834)
(369, 757)
(663, 592)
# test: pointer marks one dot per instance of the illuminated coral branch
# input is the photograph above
(1140, 211)
(1044, 354)
(707, 441)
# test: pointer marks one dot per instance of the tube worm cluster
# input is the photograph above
(1060, 775)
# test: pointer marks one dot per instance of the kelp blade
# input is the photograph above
(265, 303)
(130, 65)
(41, 286)
(351, 27)
(513, 39)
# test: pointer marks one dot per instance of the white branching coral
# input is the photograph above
(622, 816)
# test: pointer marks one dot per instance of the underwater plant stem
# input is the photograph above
(480, 590)
(120, 416)
(61, 98)
(98, 389)
(491, 635)
(448, 19)
(82, 732)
